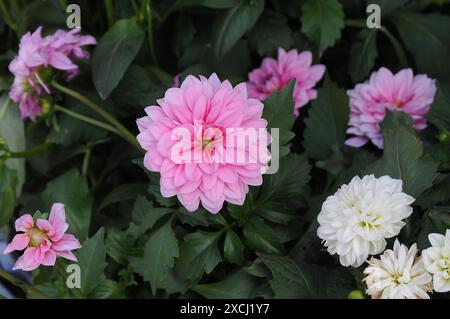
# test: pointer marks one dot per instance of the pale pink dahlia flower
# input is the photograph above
(383, 92)
(274, 75)
(34, 64)
(43, 241)
(201, 120)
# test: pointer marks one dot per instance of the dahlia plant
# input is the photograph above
(224, 149)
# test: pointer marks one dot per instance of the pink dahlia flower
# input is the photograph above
(208, 141)
(384, 91)
(43, 241)
(33, 66)
(274, 75)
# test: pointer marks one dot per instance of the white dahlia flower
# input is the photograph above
(357, 219)
(437, 260)
(398, 274)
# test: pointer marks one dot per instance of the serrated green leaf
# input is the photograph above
(322, 21)
(402, 156)
(363, 54)
(72, 190)
(92, 262)
(199, 254)
(159, 253)
(234, 23)
(108, 289)
(327, 122)
(261, 237)
(427, 38)
(114, 53)
(238, 285)
(439, 113)
(292, 176)
(233, 249)
(270, 33)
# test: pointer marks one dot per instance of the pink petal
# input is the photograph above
(19, 242)
(67, 242)
(24, 223)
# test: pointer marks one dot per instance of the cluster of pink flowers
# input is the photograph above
(274, 75)
(384, 92)
(209, 107)
(33, 65)
(43, 240)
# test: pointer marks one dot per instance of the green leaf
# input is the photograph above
(436, 220)
(8, 182)
(119, 244)
(216, 4)
(159, 253)
(363, 54)
(439, 193)
(13, 132)
(199, 254)
(146, 215)
(322, 21)
(427, 38)
(278, 111)
(261, 237)
(439, 113)
(114, 53)
(288, 281)
(238, 285)
(327, 122)
(270, 33)
(233, 249)
(387, 6)
(50, 16)
(234, 23)
(72, 190)
(141, 87)
(402, 156)
(92, 261)
(108, 289)
(292, 176)
(277, 213)
(122, 193)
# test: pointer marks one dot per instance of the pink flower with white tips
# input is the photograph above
(43, 240)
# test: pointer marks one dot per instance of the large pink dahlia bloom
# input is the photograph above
(43, 240)
(274, 75)
(34, 64)
(190, 138)
(384, 91)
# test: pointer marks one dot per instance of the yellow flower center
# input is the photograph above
(36, 236)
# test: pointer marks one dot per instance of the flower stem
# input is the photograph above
(109, 12)
(148, 15)
(397, 47)
(122, 130)
(25, 287)
(6, 16)
(31, 152)
(86, 119)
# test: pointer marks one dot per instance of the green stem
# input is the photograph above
(25, 287)
(6, 16)
(397, 47)
(86, 159)
(15, 7)
(122, 130)
(63, 4)
(31, 152)
(135, 8)
(148, 15)
(356, 23)
(109, 12)
(86, 119)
